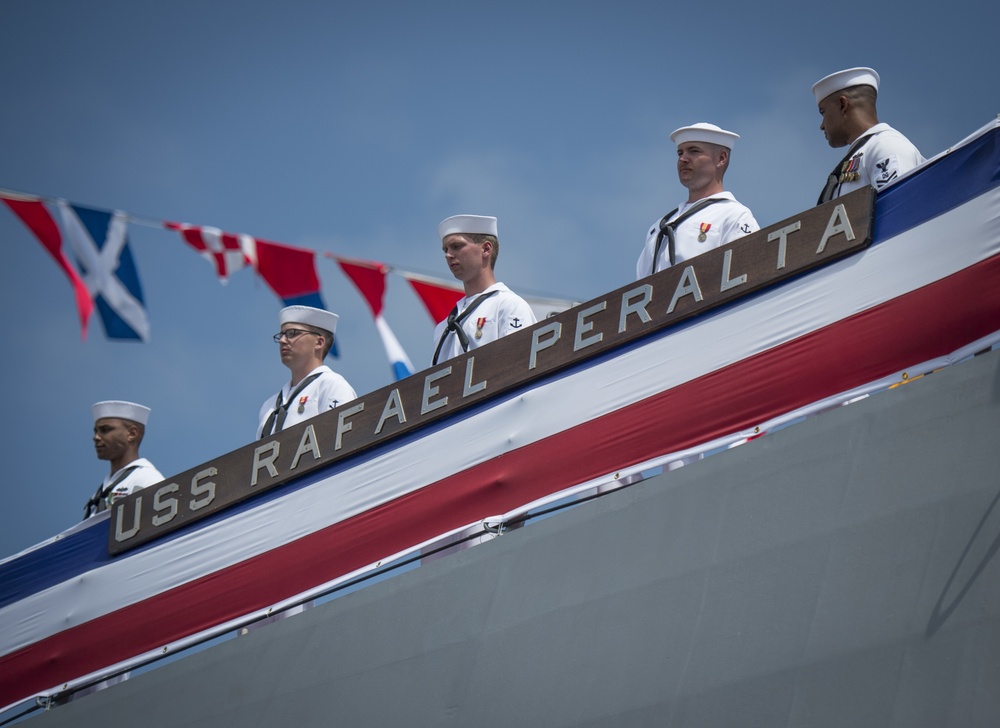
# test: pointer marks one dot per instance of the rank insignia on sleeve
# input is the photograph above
(887, 175)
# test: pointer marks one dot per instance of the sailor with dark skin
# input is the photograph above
(116, 441)
(877, 154)
(118, 431)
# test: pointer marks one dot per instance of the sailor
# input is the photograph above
(711, 216)
(305, 338)
(877, 154)
(118, 430)
(489, 309)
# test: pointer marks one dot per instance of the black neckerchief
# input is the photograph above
(455, 320)
(667, 228)
(95, 503)
(276, 420)
(833, 182)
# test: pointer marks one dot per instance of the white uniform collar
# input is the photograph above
(724, 195)
(287, 389)
(877, 129)
(463, 302)
(137, 463)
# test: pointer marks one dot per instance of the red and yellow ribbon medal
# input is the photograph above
(302, 403)
(705, 227)
(850, 172)
(480, 323)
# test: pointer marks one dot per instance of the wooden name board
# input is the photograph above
(720, 276)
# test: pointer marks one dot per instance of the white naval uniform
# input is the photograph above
(881, 159)
(727, 221)
(501, 314)
(327, 391)
(143, 476)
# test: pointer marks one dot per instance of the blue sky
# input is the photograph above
(356, 128)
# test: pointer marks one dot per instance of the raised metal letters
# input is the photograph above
(650, 307)
(393, 408)
(727, 282)
(469, 387)
(539, 344)
(343, 426)
(686, 286)
(782, 237)
(159, 504)
(635, 301)
(307, 444)
(425, 404)
(839, 223)
(583, 326)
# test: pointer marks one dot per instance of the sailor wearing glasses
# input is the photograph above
(305, 339)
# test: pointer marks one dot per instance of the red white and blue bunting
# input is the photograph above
(924, 294)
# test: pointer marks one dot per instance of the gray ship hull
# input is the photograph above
(840, 572)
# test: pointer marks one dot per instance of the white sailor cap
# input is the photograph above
(844, 79)
(315, 317)
(468, 224)
(120, 410)
(702, 132)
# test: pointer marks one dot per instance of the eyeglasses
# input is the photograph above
(291, 335)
